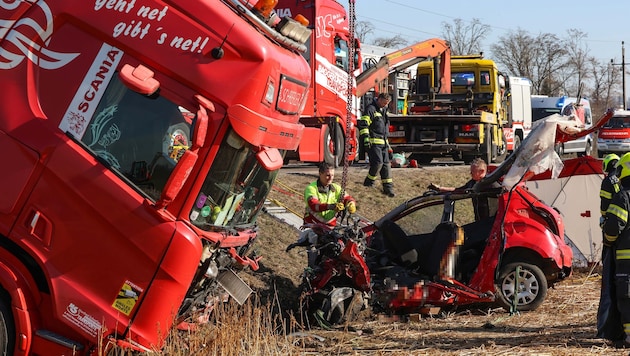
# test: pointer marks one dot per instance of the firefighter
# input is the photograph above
(373, 129)
(608, 323)
(617, 237)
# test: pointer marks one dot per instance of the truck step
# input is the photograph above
(234, 285)
(58, 339)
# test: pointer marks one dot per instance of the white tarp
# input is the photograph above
(576, 195)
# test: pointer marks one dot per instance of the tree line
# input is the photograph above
(556, 65)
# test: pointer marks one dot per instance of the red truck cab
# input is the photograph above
(142, 140)
(326, 111)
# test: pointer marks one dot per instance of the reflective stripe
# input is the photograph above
(377, 141)
(365, 131)
(619, 212)
(610, 238)
(626, 328)
(371, 177)
(605, 195)
(622, 254)
(387, 180)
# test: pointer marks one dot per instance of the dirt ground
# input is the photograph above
(563, 325)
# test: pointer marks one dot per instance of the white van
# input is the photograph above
(543, 106)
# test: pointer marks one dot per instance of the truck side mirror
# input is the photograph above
(139, 79)
(177, 179)
(270, 158)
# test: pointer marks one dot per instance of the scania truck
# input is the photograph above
(140, 138)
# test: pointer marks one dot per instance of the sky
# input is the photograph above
(605, 22)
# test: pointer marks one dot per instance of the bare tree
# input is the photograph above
(577, 69)
(363, 29)
(465, 38)
(391, 42)
(538, 58)
(605, 81)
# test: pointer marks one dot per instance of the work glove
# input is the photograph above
(366, 143)
(339, 207)
(602, 220)
(352, 207)
(433, 186)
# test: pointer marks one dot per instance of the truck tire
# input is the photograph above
(530, 291)
(7, 329)
(334, 143)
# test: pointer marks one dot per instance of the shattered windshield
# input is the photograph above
(235, 189)
(140, 137)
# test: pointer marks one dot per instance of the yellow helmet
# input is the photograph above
(623, 166)
(609, 162)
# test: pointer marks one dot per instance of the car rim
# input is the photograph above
(527, 289)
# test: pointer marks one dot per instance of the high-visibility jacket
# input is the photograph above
(374, 125)
(320, 203)
(609, 187)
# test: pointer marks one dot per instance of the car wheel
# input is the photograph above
(588, 150)
(517, 143)
(7, 329)
(529, 291)
(334, 144)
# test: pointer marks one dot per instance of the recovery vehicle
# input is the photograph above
(326, 110)
(463, 122)
(142, 139)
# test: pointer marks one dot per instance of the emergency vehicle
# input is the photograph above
(142, 138)
(463, 122)
(543, 106)
(325, 114)
(614, 136)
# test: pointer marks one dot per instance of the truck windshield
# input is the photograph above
(618, 122)
(235, 189)
(141, 138)
(541, 113)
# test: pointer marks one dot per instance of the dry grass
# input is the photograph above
(268, 323)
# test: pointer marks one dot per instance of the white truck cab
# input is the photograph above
(543, 106)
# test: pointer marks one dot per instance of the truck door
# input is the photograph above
(89, 221)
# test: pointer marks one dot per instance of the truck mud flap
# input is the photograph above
(234, 285)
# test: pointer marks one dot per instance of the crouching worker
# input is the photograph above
(323, 203)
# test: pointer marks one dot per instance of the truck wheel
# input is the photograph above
(7, 329)
(530, 290)
(332, 145)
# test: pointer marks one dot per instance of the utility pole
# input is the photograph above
(623, 73)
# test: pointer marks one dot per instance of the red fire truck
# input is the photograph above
(141, 138)
(326, 109)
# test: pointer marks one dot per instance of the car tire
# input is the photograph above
(531, 290)
(588, 150)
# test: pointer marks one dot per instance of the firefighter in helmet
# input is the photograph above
(373, 130)
(608, 323)
(617, 236)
